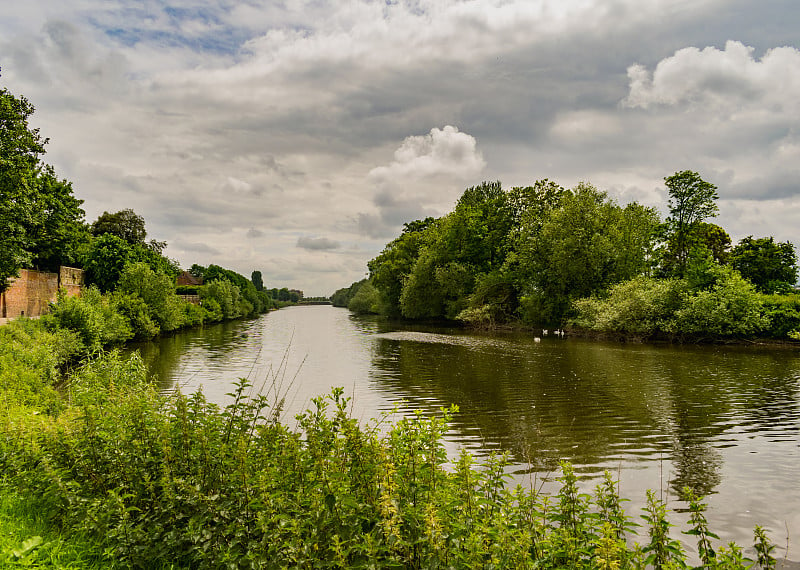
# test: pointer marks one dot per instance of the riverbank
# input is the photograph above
(143, 475)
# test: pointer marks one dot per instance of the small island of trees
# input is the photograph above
(547, 256)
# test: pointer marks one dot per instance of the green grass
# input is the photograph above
(28, 540)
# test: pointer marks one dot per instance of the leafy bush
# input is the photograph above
(137, 312)
(213, 310)
(157, 291)
(226, 295)
(94, 317)
(641, 307)
(783, 312)
(193, 315)
(33, 356)
(204, 487)
(365, 300)
(732, 307)
(644, 307)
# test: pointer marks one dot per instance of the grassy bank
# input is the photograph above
(108, 473)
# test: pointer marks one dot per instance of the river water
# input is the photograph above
(723, 420)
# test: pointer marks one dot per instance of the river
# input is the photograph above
(722, 419)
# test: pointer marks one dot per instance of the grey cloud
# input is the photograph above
(294, 115)
(317, 244)
(194, 247)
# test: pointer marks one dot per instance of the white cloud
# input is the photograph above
(731, 79)
(445, 151)
(425, 177)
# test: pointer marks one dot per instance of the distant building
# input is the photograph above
(186, 278)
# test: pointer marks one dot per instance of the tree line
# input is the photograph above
(131, 283)
(549, 256)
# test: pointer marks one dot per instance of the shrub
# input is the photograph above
(157, 290)
(33, 356)
(732, 307)
(365, 300)
(137, 312)
(226, 295)
(94, 317)
(193, 315)
(783, 312)
(641, 307)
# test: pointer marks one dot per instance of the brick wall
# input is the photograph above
(31, 293)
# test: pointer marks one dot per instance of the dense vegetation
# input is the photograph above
(548, 256)
(132, 291)
(109, 474)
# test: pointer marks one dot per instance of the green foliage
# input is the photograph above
(342, 297)
(193, 315)
(641, 308)
(257, 280)
(763, 548)
(250, 302)
(732, 307)
(108, 255)
(134, 308)
(33, 357)
(158, 293)
(365, 300)
(701, 240)
(646, 307)
(187, 289)
(94, 317)
(389, 271)
(207, 487)
(583, 247)
(691, 200)
(700, 529)
(42, 222)
(125, 224)
(662, 551)
(422, 296)
(770, 266)
(224, 295)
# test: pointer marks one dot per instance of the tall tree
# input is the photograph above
(691, 200)
(257, 280)
(40, 220)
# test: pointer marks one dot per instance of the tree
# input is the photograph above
(257, 281)
(365, 300)
(108, 255)
(59, 232)
(585, 245)
(125, 224)
(41, 223)
(392, 267)
(702, 240)
(770, 266)
(691, 200)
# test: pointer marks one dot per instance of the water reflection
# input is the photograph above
(724, 421)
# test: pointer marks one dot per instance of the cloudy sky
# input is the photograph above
(297, 137)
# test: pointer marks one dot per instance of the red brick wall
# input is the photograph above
(31, 293)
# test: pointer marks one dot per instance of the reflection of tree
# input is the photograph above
(592, 403)
(542, 402)
(714, 390)
(166, 356)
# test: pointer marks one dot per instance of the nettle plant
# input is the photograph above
(178, 478)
